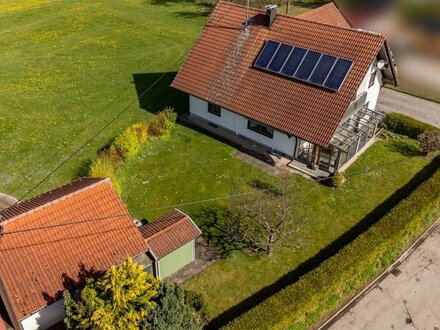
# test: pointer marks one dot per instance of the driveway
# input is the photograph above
(407, 298)
(421, 109)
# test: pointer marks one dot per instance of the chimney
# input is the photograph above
(271, 14)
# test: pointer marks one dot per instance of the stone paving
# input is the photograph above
(421, 109)
(6, 201)
(407, 298)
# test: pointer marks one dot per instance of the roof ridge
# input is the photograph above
(308, 21)
(166, 229)
(50, 203)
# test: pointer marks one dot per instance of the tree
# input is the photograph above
(120, 299)
(266, 218)
(176, 309)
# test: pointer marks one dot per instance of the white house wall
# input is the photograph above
(45, 317)
(238, 124)
(373, 91)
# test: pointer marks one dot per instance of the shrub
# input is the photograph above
(162, 122)
(140, 130)
(406, 125)
(176, 308)
(104, 167)
(338, 179)
(303, 302)
(126, 144)
(429, 141)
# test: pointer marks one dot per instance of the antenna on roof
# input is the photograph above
(246, 23)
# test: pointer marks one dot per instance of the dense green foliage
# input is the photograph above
(405, 125)
(176, 309)
(303, 302)
(105, 166)
(120, 299)
(127, 144)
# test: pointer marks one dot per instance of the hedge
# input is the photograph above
(302, 303)
(128, 144)
(405, 125)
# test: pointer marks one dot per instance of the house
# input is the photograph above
(54, 241)
(305, 87)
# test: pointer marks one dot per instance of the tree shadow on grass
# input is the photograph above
(154, 92)
(210, 221)
(328, 251)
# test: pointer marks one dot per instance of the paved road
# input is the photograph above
(421, 109)
(410, 299)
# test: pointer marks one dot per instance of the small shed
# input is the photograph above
(171, 242)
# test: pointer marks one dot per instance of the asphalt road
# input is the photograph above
(421, 109)
(407, 298)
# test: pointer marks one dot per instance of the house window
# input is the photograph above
(372, 78)
(215, 109)
(260, 128)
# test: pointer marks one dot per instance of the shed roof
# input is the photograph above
(169, 232)
(220, 69)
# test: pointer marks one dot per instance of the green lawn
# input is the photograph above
(189, 166)
(67, 68)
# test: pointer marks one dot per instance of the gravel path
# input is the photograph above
(421, 109)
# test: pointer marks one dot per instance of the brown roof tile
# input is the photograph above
(37, 264)
(327, 14)
(219, 69)
(169, 232)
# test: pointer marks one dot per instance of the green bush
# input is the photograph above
(104, 166)
(302, 303)
(127, 144)
(337, 179)
(176, 308)
(406, 125)
(140, 130)
(162, 122)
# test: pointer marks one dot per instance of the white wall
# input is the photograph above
(238, 124)
(373, 91)
(45, 317)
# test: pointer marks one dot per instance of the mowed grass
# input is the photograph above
(189, 166)
(67, 69)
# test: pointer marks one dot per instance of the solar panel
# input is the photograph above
(279, 58)
(338, 74)
(322, 69)
(266, 54)
(293, 61)
(307, 65)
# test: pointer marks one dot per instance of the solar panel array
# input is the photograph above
(303, 64)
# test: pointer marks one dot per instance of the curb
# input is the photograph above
(344, 309)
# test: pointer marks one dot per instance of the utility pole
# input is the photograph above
(287, 7)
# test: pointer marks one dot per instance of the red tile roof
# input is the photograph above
(37, 264)
(219, 69)
(169, 232)
(327, 14)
